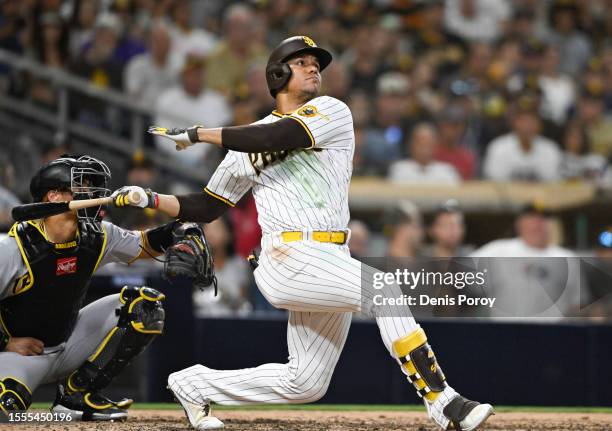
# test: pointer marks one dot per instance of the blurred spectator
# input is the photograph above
(229, 64)
(534, 282)
(359, 242)
(452, 126)
(557, 89)
(362, 59)
(258, 92)
(232, 274)
(476, 20)
(336, 81)
(7, 198)
(523, 155)
(384, 137)
(422, 168)
(404, 229)
(98, 65)
(148, 75)
(591, 114)
(185, 38)
(574, 46)
(188, 104)
(433, 37)
(82, 27)
(447, 230)
(578, 162)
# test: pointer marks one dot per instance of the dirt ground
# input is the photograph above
(172, 420)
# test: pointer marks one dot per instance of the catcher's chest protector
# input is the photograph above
(47, 300)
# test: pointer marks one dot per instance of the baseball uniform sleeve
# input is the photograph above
(121, 245)
(11, 266)
(230, 180)
(328, 122)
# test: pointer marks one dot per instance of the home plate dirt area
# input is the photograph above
(315, 420)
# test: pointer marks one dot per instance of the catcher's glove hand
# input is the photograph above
(189, 256)
(183, 138)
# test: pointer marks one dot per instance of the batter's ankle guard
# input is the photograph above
(419, 363)
(141, 318)
(14, 395)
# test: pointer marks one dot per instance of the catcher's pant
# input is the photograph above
(321, 286)
(92, 325)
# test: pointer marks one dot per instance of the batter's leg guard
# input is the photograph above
(419, 363)
(14, 395)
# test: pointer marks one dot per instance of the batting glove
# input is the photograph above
(145, 198)
(182, 137)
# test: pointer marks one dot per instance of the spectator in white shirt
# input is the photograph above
(476, 20)
(523, 155)
(526, 273)
(191, 103)
(148, 75)
(422, 168)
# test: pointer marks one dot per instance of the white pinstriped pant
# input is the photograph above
(321, 286)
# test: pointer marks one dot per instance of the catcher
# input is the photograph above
(45, 269)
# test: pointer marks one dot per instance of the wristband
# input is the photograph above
(153, 198)
(192, 133)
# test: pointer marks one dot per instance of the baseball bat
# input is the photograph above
(46, 209)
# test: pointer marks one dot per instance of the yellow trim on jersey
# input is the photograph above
(277, 114)
(3, 325)
(102, 250)
(13, 233)
(102, 345)
(144, 244)
(221, 198)
(312, 141)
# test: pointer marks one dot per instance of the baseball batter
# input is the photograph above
(45, 269)
(298, 163)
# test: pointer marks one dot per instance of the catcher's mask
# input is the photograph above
(85, 176)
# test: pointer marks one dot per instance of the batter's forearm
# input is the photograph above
(285, 134)
(169, 205)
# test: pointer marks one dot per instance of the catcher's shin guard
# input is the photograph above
(419, 363)
(14, 395)
(141, 318)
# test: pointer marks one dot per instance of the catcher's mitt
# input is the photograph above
(189, 256)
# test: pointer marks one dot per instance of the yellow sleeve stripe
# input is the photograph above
(143, 244)
(102, 250)
(312, 141)
(221, 198)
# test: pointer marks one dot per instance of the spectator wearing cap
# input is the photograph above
(574, 46)
(476, 20)
(185, 38)
(452, 126)
(190, 103)
(422, 168)
(238, 49)
(591, 114)
(383, 139)
(148, 75)
(447, 231)
(578, 162)
(525, 273)
(522, 154)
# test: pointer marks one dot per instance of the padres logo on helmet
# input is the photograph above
(308, 41)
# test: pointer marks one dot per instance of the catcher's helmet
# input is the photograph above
(86, 176)
(278, 71)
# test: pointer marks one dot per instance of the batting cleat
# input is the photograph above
(199, 416)
(87, 406)
(466, 415)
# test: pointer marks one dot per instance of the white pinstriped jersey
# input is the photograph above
(300, 189)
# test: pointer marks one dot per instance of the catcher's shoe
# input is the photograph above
(199, 416)
(87, 406)
(466, 415)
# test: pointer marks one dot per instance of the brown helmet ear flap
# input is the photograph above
(277, 76)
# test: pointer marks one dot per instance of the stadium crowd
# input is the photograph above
(441, 91)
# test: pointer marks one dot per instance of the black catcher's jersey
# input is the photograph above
(48, 298)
